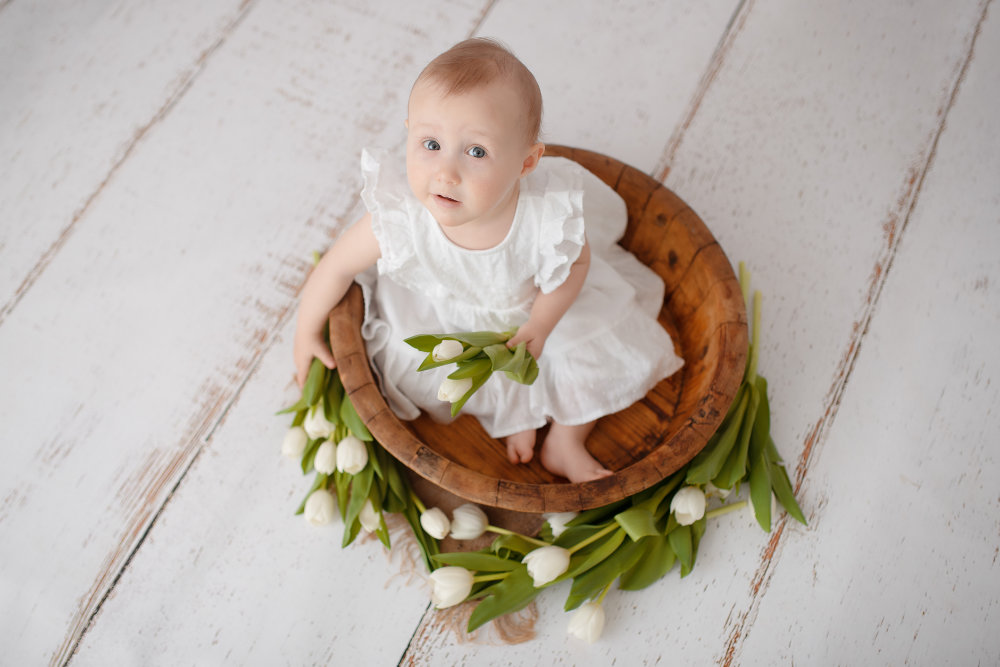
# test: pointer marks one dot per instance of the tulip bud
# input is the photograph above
(319, 507)
(468, 522)
(435, 523)
(558, 520)
(326, 458)
(369, 518)
(316, 424)
(295, 442)
(454, 390)
(451, 585)
(688, 505)
(546, 563)
(447, 349)
(352, 455)
(588, 622)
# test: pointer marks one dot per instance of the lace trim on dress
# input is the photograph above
(388, 209)
(562, 232)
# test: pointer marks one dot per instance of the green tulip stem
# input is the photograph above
(593, 538)
(600, 598)
(725, 509)
(416, 501)
(754, 338)
(496, 576)
(504, 531)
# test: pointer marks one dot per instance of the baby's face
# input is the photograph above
(465, 153)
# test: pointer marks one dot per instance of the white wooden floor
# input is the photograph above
(166, 169)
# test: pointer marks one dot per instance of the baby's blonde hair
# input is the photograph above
(479, 61)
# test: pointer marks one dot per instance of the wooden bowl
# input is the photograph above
(704, 312)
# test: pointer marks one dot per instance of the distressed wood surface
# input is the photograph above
(166, 173)
(916, 432)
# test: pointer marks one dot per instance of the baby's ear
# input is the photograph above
(406, 123)
(531, 160)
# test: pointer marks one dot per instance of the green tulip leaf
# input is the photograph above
(735, 467)
(575, 534)
(342, 483)
(508, 544)
(783, 491)
(472, 368)
(760, 491)
(706, 465)
(360, 487)
(477, 382)
(309, 454)
(477, 561)
(592, 555)
(424, 343)
(314, 383)
(599, 515)
(656, 558)
(680, 542)
(511, 594)
(638, 522)
(333, 396)
(374, 459)
(499, 355)
(428, 545)
(353, 421)
(595, 580)
(697, 530)
(762, 424)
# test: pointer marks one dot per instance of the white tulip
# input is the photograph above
(326, 458)
(451, 585)
(546, 563)
(447, 349)
(688, 505)
(295, 442)
(319, 507)
(352, 455)
(435, 523)
(468, 522)
(316, 424)
(588, 622)
(453, 390)
(369, 518)
(558, 520)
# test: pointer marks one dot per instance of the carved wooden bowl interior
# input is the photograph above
(704, 312)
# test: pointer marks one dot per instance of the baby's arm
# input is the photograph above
(356, 250)
(549, 308)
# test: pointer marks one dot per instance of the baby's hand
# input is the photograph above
(306, 347)
(533, 338)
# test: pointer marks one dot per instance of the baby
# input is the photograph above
(482, 233)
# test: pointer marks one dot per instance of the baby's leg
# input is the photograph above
(520, 446)
(564, 452)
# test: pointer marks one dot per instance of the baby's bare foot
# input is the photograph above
(521, 446)
(564, 453)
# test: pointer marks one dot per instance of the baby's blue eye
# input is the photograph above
(431, 145)
(476, 151)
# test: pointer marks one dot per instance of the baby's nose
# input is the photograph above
(448, 173)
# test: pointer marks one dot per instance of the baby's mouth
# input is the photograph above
(446, 201)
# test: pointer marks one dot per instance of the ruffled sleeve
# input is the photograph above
(561, 236)
(385, 196)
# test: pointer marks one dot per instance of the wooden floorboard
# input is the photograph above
(166, 171)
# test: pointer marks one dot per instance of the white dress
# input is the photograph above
(606, 352)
